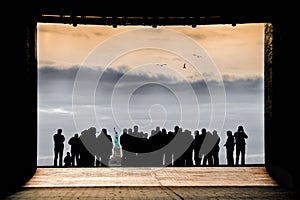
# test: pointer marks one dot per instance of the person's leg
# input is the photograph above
(189, 161)
(98, 161)
(237, 155)
(209, 158)
(243, 155)
(196, 158)
(72, 159)
(60, 158)
(230, 158)
(123, 160)
(205, 159)
(216, 158)
(55, 157)
(168, 159)
(76, 159)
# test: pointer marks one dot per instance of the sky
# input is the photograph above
(210, 76)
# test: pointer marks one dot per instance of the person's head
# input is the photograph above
(125, 130)
(130, 131)
(240, 128)
(59, 131)
(135, 128)
(229, 133)
(176, 128)
(153, 132)
(196, 132)
(104, 131)
(157, 129)
(215, 132)
(187, 132)
(68, 153)
(203, 130)
(92, 130)
(76, 135)
(84, 132)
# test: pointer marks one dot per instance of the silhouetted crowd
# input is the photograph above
(175, 148)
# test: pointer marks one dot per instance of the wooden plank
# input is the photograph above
(173, 176)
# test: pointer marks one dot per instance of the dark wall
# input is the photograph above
(281, 124)
(19, 102)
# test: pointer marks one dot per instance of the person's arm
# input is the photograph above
(226, 142)
(70, 141)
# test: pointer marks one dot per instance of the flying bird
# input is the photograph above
(161, 64)
(198, 56)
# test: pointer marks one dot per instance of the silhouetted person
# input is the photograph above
(216, 148)
(240, 143)
(123, 144)
(130, 148)
(177, 147)
(104, 148)
(197, 143)
(75, 149)
(136, 147)
(68, 160)
(89, 142)
(166, 154)
(88, 147)
(182, 151)
(59, 140)
(207, 147)
(229, 148)
(155, 157)
(203, 149)
(143, 155)
(188, 143)
(128, 144)
(84, 153)
(169, 149)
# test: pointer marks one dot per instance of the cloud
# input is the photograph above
(52, 73)
(56, 111)
(46, 62)
(209, 32)
(114, 74)
(98, 34)
(249, 84)
(111, 77)
(56, 87)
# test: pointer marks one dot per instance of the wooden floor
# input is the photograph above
(167, 176)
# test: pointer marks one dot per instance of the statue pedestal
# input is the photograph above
(116, 159)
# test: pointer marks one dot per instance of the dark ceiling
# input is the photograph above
(148, 13)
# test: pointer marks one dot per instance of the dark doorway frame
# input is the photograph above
(20, 169)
